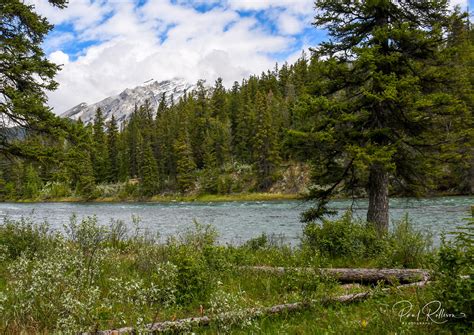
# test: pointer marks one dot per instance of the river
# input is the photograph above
(239, 221)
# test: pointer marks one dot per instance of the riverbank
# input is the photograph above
(235, 197)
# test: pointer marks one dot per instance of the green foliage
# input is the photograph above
(104, 277)
(55, 190)
(99, 155)
(346, 240)
(379, 117)
(48, 292)
(22, 238)
(406, 247)
(344, 237)
(195, 259)
(113, 151)
(29, 73)
(185, 164)
(266, 153)
(149, 183)
(32, 183)
(455, 277)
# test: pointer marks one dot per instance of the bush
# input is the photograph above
(50, 292)
(23, 237)
(342, 238)
(266, 241)
(351, 240)
(455, 274)
(405, 246)
(54, 190)
(197, 258)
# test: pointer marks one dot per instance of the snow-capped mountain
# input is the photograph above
(123, 104)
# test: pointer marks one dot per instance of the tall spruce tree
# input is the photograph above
(185, 165)
(25, 73)
(384, 97)
(266, 154)
(149, 181)
(79, 162)
(99, 153)
(113, 151)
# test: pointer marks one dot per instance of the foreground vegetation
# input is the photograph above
(103, 277)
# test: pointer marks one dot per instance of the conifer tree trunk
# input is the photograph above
(377, 188)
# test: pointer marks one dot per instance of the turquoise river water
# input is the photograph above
(237, 222)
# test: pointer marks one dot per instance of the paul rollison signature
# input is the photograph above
(431, 312)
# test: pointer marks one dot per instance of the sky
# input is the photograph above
(105, 46)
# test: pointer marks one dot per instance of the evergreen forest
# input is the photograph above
(216, 140)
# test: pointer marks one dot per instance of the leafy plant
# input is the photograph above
(455, 277)
(405, 246)
(343, 237)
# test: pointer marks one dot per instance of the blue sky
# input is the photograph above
(106, 46)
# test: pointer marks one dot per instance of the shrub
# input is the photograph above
(455, 274)
(342, 238)
(352, 240)
(18, 237)
(227, 310)
(55, 190)
(405, 246)
(50, 292)
(266, 241)
(117, 233)
(256, 243)
(196, 257)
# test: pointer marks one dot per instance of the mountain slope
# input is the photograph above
(123, 104)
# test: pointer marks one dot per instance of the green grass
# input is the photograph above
(95, 277)
(373, 316)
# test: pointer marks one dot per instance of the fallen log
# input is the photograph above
(347, 275)
(187, 324)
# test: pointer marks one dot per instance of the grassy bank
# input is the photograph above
(103, 277)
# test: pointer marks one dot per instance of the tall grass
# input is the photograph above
(93, 276)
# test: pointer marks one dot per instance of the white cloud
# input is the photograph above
(59, 57)
(289, 24)
(132, 48)
(80, 13)
(164, 39)
(296, 6)
(56, 40)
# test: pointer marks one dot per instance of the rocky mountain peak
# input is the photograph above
(123, 104)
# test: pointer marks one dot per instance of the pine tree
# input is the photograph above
(200, 120)
(133, 141)
(149, 180)
(234, 105)
(385, 94)
(218, 101)
(219, 124)
(25, 74)
(113, 151)
(100, 152)
(210, 171)
(245, 127)
(31, 182)
(266, 154)
(185, 165)
(79, 162)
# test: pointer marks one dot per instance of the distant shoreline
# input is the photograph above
(238, 197)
